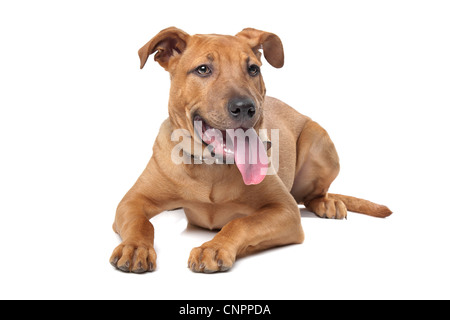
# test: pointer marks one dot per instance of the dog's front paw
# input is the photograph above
(211, 257)
(134, 258)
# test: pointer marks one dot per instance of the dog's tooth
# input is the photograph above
(228, 151)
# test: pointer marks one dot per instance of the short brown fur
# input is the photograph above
(250, 218)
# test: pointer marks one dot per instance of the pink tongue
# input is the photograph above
(251, 158)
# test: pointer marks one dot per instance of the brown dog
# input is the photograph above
(216, 81)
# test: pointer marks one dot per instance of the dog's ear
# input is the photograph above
(168, 42)
(269, 42)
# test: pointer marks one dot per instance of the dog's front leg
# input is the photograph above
(273, 224)
(136, 252)
(149, 196)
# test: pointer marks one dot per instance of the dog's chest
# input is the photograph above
(213, 203)
(220, 193)
(216, 193)
(213, 184)
(213, 216)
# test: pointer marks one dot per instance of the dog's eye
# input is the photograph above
(253, 70)
(203, 70)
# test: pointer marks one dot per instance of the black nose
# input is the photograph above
(241, 108)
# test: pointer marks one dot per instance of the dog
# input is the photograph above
(217, 86)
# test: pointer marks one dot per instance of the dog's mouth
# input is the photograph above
(213, 138)
(241, 146)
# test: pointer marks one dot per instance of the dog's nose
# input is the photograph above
(241, 108)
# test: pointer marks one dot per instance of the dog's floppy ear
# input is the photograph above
(269, 42)
(168, 42)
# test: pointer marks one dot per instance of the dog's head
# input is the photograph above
(215, 79)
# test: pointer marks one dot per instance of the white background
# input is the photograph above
(78, 120)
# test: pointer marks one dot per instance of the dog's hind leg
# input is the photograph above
(317, 167)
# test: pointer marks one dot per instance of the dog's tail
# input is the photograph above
(362, 206)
